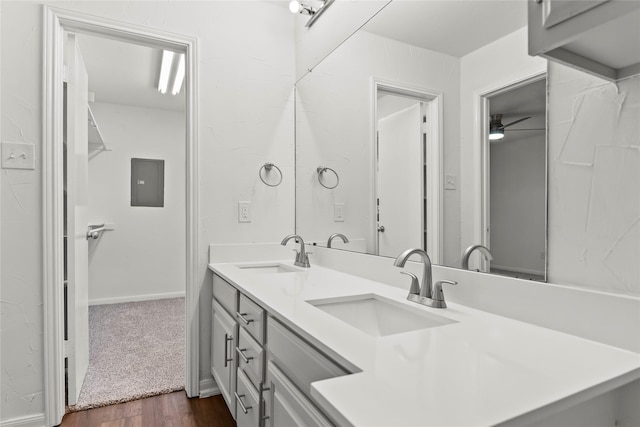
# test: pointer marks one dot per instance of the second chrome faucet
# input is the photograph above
(427, 294)
(302, 258)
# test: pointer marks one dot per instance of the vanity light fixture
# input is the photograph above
(297, 7)
(172, 69)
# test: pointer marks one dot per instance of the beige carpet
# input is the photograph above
(136, 350)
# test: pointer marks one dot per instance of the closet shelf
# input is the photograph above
(95, 136)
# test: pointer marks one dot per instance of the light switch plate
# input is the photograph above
(450, 182)
(18, 155)
(338, 212)
(244, 211)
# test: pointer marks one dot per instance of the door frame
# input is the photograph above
(482, 209)
(433, 190)
(56, 22)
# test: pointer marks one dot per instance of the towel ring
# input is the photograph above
(267, 168)
(323, 169)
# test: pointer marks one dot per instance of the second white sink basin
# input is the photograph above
(379, 316)
(269, 268)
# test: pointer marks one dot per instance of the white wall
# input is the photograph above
(594, 171)
(144, 257)
(518, 210)
(491, 67)
(336, 24)
(246, 68)
(334, 123)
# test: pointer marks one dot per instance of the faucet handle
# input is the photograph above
(415, 284)
(438, 295)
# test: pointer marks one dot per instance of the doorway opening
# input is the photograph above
(515, 179)
(124, 175)
(407, 169)
(68, 185)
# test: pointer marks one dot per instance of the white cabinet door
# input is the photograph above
(286, 406)
(223, 333)
(556, 11)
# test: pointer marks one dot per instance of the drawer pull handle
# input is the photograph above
(242, 317)
(227, 338)
(245, 409)
(241, 353)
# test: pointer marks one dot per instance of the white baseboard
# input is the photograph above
(517, 270)
(133, 298)
(28, 421)
(208, 388)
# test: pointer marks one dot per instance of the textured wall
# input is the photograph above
(144, 256)
(246, 69)
(334, 129)
(594, 176)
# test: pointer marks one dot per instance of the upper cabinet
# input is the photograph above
(601, 37)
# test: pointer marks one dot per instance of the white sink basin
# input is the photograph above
(379, 316)
(269, 268)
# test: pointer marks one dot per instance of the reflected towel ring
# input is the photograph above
(323, 169)
(267, 168)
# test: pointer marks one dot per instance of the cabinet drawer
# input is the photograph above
(246, 400)
(250, 357)
(301, 362)
(225, 294)
(251, 316)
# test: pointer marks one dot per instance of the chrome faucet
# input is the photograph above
(302, 259)
(334, 235)
(427, 294)
(425, 290)
(467, 253)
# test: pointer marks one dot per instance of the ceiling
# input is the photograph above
(125, 73)
(453, 27)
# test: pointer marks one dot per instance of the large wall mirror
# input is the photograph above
(398, 145)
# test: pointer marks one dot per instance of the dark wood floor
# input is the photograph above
(167, 410)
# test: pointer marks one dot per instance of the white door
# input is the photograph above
(400, 194)
(76, 226)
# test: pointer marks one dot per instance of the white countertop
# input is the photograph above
(481, 370)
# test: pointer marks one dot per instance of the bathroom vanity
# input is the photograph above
(316, 346)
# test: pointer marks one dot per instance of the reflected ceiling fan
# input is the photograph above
(496, 128)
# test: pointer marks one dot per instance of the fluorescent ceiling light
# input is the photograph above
(165, 70)
(177, 82)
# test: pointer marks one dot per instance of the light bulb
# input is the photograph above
(495, 135)
(295, 6)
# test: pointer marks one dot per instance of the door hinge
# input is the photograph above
(66, 348)
(424, 124)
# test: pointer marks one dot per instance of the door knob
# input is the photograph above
(381, 229)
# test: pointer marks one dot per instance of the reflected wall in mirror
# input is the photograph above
(593, 140)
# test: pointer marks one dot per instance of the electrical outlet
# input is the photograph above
(338, 212)
(18, 155)
(244, 211)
